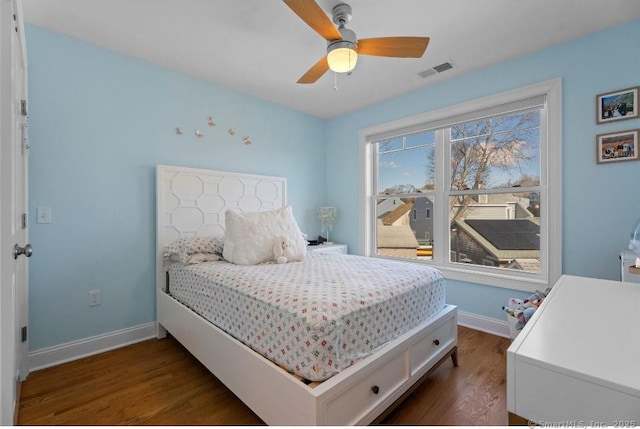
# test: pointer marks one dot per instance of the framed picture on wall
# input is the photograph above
(614, 147)
(617, 106)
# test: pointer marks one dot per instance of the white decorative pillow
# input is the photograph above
(183, 248)
(249, 236)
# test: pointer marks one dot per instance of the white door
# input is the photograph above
(14, 249)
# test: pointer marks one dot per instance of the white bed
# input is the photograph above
(192, 202)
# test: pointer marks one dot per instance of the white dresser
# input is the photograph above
(328, 248)
(577, 361)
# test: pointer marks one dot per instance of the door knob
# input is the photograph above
(27, 251)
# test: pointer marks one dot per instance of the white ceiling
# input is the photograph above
(260, 47)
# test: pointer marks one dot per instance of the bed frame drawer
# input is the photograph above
(432, 344)
(356, 404)
(383, 380)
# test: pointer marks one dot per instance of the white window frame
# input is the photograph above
(550, 189)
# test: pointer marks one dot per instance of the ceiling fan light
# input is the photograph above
(342, 57)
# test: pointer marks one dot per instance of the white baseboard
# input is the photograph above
(484, 324)
(67, 352)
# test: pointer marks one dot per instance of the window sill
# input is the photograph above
(496, 279)
(526, 282)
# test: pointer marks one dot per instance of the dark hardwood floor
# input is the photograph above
(157, 382)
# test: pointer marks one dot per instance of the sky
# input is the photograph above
(404, 161)
(404, 167)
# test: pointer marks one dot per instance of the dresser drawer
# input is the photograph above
(429, 346)
(349, 406)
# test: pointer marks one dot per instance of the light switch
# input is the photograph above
(43, 215)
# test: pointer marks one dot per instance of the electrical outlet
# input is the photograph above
(94, 298)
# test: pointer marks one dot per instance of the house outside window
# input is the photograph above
(476, 189)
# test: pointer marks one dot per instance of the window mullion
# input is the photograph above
(441, 212)
(373, 225)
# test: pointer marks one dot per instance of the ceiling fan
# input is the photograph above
(343, 47)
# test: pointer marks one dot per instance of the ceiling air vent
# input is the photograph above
(437, 69)
(427, 73)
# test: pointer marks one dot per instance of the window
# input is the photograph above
(473, 189)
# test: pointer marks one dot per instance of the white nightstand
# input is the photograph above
(329, 248)
(627, 263)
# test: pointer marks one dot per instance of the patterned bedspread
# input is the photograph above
(315, 317)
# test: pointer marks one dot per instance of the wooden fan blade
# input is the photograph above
(314, 16)
(315, 72)
(402, 47)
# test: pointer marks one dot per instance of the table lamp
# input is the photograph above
(327, 216)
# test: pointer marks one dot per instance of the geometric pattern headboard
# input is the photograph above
(193, 202)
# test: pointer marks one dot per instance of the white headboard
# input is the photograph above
(193, 202)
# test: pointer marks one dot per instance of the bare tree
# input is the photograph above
(400, 189)
(480, 148)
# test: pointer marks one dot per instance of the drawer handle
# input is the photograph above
(375, 390)
(436, 342)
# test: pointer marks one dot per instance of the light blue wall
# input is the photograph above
(99, 123)
(601, 203)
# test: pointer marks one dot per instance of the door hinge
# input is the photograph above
(24, 221)
(23, 334)
(23, 107)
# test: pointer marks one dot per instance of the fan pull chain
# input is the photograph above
(335, 81)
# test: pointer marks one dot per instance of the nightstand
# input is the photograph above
(629, 272)
(329, 248)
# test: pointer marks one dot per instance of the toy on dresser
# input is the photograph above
(523, 310)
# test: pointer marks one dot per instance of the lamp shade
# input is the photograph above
(342, 56)
(327, 216)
